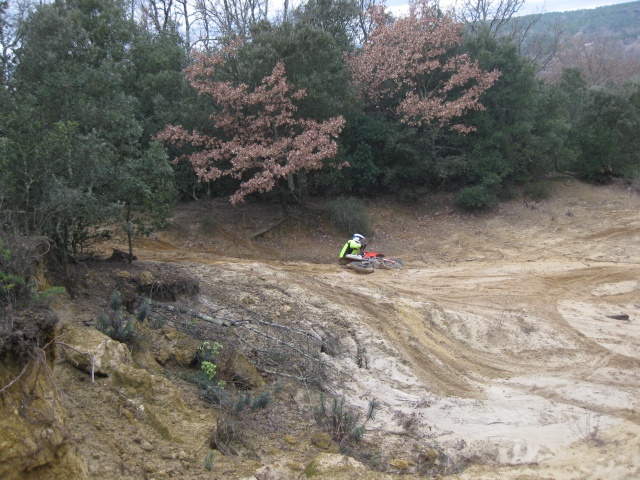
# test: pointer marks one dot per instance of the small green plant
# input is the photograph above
(261, 402)
(116, 322)
(207, 353)
(216, 395)
(341, 423)
(209, 369)
(208, 461)
(242, 402)
(144, 310)
(48, 294)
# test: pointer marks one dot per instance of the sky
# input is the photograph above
(530, 6)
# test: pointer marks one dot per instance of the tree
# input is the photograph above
(220, 21)
(155, 79)
(11, 18)
(160, 15)
(600, 61)
(607, 133)
(145, 193)
(337, 17)
(560, 106)
(495, 15)
(410, 68)
(72, 128)
(365, 22)
(257, 137)
(313, 60)
(500, 152)
(71, 120)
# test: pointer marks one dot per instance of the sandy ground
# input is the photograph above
(497, 343)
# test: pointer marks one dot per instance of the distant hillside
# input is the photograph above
(617, 22)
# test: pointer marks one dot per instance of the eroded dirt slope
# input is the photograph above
(510, 339)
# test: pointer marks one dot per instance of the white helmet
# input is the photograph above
(359, 238)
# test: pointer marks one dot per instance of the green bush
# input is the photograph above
(206, 356)
(537, 190)
(631, 173)
(11, 284)
(412, 195)
(475, 198)
(635, 185)
(349, 214)
(214, 394)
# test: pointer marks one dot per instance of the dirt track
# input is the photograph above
(497, 340)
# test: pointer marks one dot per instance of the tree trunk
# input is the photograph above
(65, 253)
(129, 229)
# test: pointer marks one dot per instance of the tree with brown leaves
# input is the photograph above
(410, 67)
(257, 137)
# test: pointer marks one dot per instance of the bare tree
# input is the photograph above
(401, 68)
(492, 14)
(220, 19)
(160, 13)
(540, 47)
(12, 16)
(600, 61)
(366, 22)
(186, 18)
(500, 18)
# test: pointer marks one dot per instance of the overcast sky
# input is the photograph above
(530, 6)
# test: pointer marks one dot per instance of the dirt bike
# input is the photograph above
(372, 260)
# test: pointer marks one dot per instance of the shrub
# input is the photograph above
(475, 198)
(116, 322)
(207, 353)
(11, 284)
(341, 423)
(143, 312)
(262, 401)
(208, 461)
(216, 395)
(349, 214)
(412, 195)
(635, 184)
(537, 190)
(212, 389)
(235, 418)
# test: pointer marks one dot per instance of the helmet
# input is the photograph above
(359, 238)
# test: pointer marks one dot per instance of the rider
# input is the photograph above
(354, 248)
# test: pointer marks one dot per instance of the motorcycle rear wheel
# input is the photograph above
(365, 267)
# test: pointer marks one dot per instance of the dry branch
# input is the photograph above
(259, 336)
(268, 228)
(3, 389)
(207, 318)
